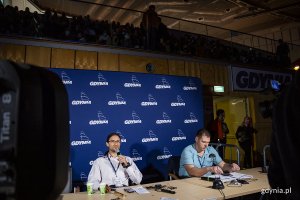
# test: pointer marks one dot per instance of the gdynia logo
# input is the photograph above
(151, 101)
(101, 81)
(179, 102)
(84, 100)
(180, 136)
(101, 119)
(166, 119)
(136, 156)
(120, 100)
(164, 84)
(65, 78)
(191, 86)
(134, 82)
(123, 139)
(166, 155)
(192, 119)
(99, 154)
(84, 140)
(152, 137)
(135, 119)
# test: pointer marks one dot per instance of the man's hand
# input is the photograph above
(234, 167)
(216, 170)
(122, 160)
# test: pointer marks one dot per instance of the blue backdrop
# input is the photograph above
(156, 116)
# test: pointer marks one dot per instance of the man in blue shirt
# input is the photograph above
(199, 159)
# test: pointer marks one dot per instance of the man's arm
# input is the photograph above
(195, 171)
(95, 175)
(229, 167)
(133, 172)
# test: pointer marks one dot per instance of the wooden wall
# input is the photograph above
(210, 74)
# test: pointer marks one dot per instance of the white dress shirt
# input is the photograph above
(106, 169)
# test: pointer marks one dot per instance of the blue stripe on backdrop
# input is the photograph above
(156, 115)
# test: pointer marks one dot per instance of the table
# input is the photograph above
(190, 188)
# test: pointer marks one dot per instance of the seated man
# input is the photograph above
(114, 169)
(198, 159)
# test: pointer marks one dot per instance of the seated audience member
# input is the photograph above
(114, 169)
(198, 159)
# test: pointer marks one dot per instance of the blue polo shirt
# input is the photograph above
(190, 156)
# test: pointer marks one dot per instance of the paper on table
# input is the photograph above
(140, 190)
(232, 176)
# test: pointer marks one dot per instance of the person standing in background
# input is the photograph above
(244, 135)
(218, 129)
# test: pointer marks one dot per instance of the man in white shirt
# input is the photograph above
(114, 169)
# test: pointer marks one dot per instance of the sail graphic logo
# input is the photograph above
(134, 82)
(135, 119)
(191, 86)
(101, 119)
(101, 81)
(84, 100)
(151, 101)
(192, 119)
(180, 136)
(84, 140)
(135, 155)
(179, 102)
(152, 137)
(166, 154)
(65, 78)
(120, 100)
(166, 119)
(164, 84)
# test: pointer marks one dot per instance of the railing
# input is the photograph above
(230, 146)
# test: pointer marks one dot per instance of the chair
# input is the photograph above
(173, 167)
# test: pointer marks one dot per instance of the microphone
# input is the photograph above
(119, 153)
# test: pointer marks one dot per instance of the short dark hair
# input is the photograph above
(202, 132)
(112, 134)
(219, 112)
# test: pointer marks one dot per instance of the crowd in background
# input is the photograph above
(151, 35)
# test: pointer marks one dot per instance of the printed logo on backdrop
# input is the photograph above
(164, 84)
(192, 119)
(166, 119)
(152, 137)
(119, 100)
(101, 119)
(84, 140)
(134, 82)
(65, 78)
(151, 101)
(99, 155)
(191, 86)
(83, 176)
(84, 99)
(135, 155)
(167, 154)
(123, 139)
(135, 119)
(101, 81)
(179, 102)
(180, 136)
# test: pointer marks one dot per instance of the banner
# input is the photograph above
(245, 79)
(156, 116)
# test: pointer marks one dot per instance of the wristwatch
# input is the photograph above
(128, 165)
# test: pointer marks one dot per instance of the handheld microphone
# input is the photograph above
(119, 153)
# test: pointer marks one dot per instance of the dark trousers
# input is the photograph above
(246, 146)
(221, 149)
